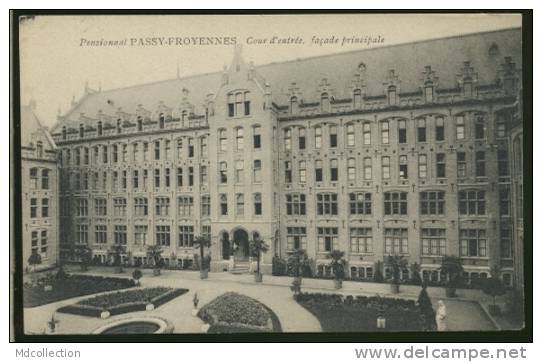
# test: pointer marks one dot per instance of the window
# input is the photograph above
(473, 242)
(357, 98)
(429, 92)
(161, 206)
(472, 202)
(460, 127)
(223, 204)
(104, 154)
(480, 164)
(139, 124)
(257, 138)
(257, 204)
(135, 152)
(135, 179)
(203, 147)
(124, 152)
(156, 177)
(422, 166)
(392, 95)
(317, 137)
(403, 167)
(119, 206)
(395, 241)
(327, 238)
(78, 156)
(367, 168)
(190, 175)
(361, 240)
(366, 133)
(157, 150)
(504, 201)
(333, 136)
(33, 178)
(206, 205)
(238, 104)
(351, 169)
(81, 131)
(293, 105)
(479, 127)
(395, 203)
(318, 172)
(501, 130)
(222, 140)
(186, 236)
(185, 205)
(502, 159)
(441, 165)
(162, 235)
(257, 171)
(461, 165)
(203, 175)
(82, 207)
(124, 183)
(206, 231)
(350, 135)
(432, 202)
(422, 130)
(506, 243)
(302, 171)
(334, 169)
(239, 139)
(114, 155)
(179, 176)
(239, 169)
(240, 204)
(100, 207)
(100, 234)
(179, 149)
(145, 151)
(44, 207)
(96, 155)
(141, 206)
(296, 204)
(360, 203)
(434, 242)
(326, 204)
(140, 234)
(296, 238)
(324, 102)
(439, 129)
(82, 233)
(223, 172)
(385, 167)
(301, 138)
(287, 172)
(161, 120)
(120, 234)
(385, 132)
(402, 131)
(288, 139)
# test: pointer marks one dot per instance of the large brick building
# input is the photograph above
(395, 150)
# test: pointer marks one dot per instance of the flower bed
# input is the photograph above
(123, 302)
(236, 313)
(338, 313)
(69, 286)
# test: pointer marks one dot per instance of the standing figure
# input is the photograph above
(441, 316)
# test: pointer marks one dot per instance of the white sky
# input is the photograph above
(54, 67)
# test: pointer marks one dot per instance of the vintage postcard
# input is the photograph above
(270, 173)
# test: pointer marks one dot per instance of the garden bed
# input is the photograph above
(338, 313)
(236, 313)
(69, 286)
(123, 302)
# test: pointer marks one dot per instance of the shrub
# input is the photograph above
(426, 308)
(279, 266)
(234, 308)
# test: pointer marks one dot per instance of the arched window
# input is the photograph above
(357, 98)
(324, 102)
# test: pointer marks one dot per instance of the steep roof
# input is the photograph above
(485, 51)
(32, 130)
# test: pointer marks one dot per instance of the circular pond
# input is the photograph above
(134, 326)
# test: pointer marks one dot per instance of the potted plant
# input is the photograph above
(136, 275)
(493, 287)
(451, 266)
(116, 251)
(203, 242)
(378, 277)
(337, 266)
(154, 252)
(415, 274)
(396, 263)
(84, 254)
(296, 261)
(34, 260)
(258, 246)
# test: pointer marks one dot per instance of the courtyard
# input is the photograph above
(464, 313)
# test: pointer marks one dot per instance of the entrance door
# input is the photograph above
(241, 246)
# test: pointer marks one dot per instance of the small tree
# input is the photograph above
(116, 251)
(493, 287)
(154, 252)
(416, 277)
(396, 263)
(337, 266)
(203, 242)
(83, 253)
(136, 275)
(258, 246)
(451, 266)
(426, 310)
(296, 261)
(33, 260)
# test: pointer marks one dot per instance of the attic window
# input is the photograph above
(357, 98)
(39, 149)
(392, 95)
(293, 105)
(493, 50)
(467, 88)
(429, 92)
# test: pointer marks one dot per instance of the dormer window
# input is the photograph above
(63, 132)
(392, 95)
(81, 131)
(429, 92)
(293, 105)
(39, 149)
(324, 102)
(238, 104)
(467, 88)
(100, 128)
(162, 120)
(139, 124)
(119, 126)
(357, 98)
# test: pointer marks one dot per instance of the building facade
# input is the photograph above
(39, 185)
(394, 150)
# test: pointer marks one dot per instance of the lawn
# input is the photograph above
(337, 313)
(236, 313)
(69, 286)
